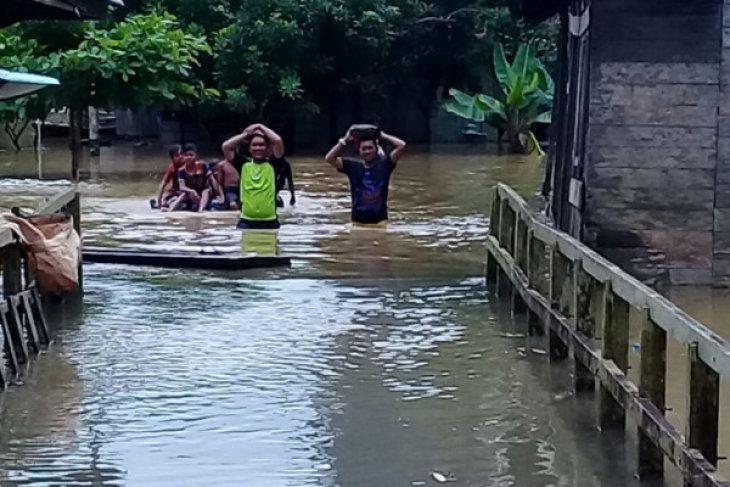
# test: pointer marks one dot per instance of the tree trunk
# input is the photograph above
(93, 131)
(75, 120)
(515, 146)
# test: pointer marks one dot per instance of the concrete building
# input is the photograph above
(641, 140)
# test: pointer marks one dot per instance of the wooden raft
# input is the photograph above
(182, 260)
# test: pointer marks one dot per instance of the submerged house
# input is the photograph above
(19, 10)
(640, 148)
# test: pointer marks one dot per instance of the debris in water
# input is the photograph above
(539, 351)
(512, 335)
(418, 483)
(439, 477)
(563, 395)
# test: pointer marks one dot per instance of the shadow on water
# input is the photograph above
(379, 359)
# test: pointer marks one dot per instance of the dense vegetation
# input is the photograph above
(272, 59)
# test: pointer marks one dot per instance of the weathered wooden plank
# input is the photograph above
(615, 347)
(40, 315)
(722, 220)
(12, 270)
(495, 214)
(658, 73)
(521, 245)
(58, 202)
(621, 197)
(722, 194)
(652, 178)
(658, 24)
(74, 208)
(686, 157)
(25, 306)
(656, 96)
(225, 262)
(585, 323)
(10, 357)
(634, 135)
(645, 220)
(691, 116)
(16, 331)
(562, 284)
(703, 406)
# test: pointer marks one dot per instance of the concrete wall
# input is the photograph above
(657, 196)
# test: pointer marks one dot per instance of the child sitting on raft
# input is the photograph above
(197, 184)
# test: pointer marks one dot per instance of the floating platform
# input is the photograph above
(183, 260)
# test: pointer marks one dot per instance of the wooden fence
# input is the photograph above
(23, 325)
(584, 303)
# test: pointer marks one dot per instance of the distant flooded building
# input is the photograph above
(19, 10)
(641, 136)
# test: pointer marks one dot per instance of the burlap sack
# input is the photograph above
(54, 250)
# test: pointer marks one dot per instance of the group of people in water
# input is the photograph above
(254, 171)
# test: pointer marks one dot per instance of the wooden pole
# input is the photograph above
(652, 387)
(12, 270)
(75, 121)
(521, 246)
(703, 406)
(74, 207)
(616, 348)
(495, 215)
(557, 349)
(492, 264)
(584, 295)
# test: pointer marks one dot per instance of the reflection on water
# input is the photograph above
(377, 360)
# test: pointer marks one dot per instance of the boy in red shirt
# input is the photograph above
(164, 197)
(197, 183)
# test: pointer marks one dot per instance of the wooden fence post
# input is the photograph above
(557, 349)
(703, 406)
(587, 294)
(12, 270)
(652, 387)
(492, 265)
(495, 215)
(74, 207)
(615, 347)
(521, 236)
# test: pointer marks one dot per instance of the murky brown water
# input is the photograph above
(378, 360)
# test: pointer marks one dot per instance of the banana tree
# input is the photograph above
(525, 96)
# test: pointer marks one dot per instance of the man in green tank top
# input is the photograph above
(258, 175)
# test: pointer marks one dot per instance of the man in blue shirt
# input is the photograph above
(370, 175)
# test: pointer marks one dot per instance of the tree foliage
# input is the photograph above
(525, 95)
(276, 58)
(146, 60)
(26, 56)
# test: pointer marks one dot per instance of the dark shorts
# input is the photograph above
(232, 194)
(258, 225)
(189, 206)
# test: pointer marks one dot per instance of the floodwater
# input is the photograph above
(379, 359)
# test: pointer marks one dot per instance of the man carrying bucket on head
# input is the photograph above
(369, 176)
(258, 175)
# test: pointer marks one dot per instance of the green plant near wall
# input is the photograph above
(525, 97)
